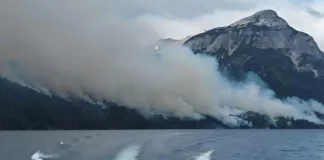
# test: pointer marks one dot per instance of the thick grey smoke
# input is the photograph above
(79, 48)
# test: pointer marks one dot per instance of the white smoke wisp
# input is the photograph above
(78, 48)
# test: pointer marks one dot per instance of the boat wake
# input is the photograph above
(129, 153)
(205, 155)
(41, 156)
(132, 152)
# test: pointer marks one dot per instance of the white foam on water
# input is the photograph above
(40, 156)
(128, 153)
(205, 155)
(176, 134)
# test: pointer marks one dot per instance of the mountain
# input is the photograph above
(289, 61)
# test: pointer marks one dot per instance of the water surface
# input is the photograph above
(163, 145)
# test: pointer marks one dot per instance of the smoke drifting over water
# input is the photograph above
(78, 48)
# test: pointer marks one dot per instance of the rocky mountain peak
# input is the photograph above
(288, 60)
(262, 18)
(263, 30)
(266, 14)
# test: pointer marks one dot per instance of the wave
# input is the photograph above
(129, 153)
(41, 156)
(205, 155)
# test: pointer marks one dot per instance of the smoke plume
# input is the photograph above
(82, 49)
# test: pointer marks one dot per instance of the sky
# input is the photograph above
(181, 18)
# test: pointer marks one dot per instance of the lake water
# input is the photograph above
(163, 145)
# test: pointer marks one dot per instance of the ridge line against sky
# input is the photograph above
(193, 18)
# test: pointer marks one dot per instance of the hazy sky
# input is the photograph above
(180, 18)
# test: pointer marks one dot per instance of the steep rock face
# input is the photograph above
(289, 61)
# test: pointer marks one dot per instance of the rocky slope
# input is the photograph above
(289, 61)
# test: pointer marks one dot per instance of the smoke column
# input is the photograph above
(81, 48)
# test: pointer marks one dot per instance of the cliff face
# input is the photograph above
(289, 61)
